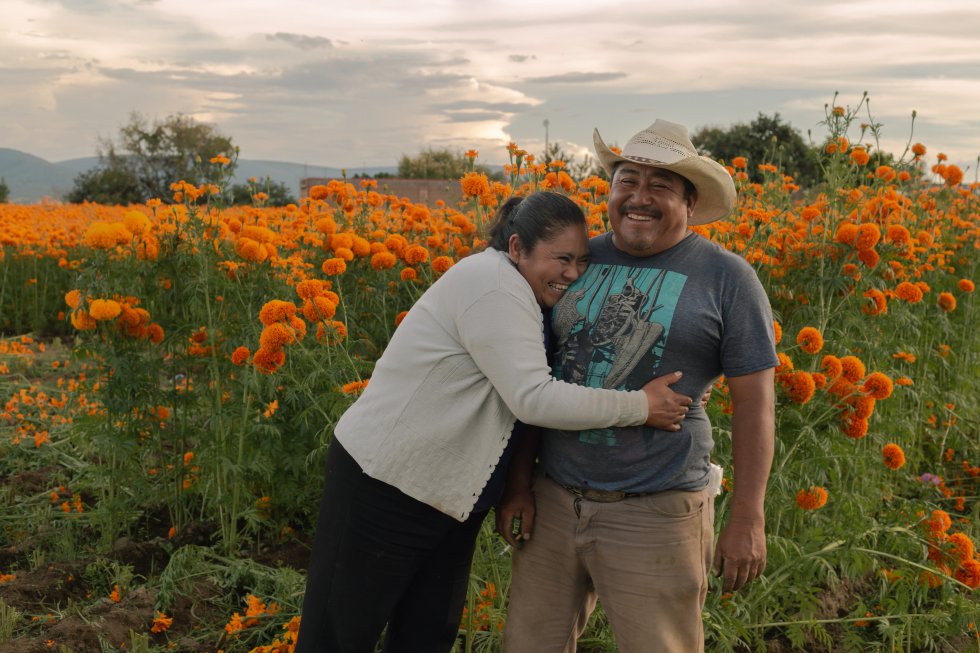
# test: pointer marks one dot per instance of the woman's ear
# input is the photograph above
(514, 248)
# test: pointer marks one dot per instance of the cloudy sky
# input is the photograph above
(361, 82)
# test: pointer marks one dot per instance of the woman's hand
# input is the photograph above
(666, 409)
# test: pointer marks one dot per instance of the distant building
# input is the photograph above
(418, 191)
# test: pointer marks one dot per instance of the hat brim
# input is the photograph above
(714, 185)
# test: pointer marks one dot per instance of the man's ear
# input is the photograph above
(692, 200)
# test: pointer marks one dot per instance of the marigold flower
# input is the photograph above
(868, 236)
(777, 329)
(812, 499)
(268, 361)
(962, 546)
(114, 594)
(383, 261)
(954, 175)
(441, 264)
(271, 408)
(863, 405)
(852, 368)
(154, 333)
(909, 292)
(331, 333)
(361, 247)
(897, 235)
(400, 317)
(474, 184)
(847, 233)
(74, 297)
(965, 285)
(785, 363)
(800, 386)
(877, 304)
(334, 266)
(832, 366)
(969, 573)
(947, 302)
(939, 522)
(310, 288)
(240, 355)
(396, 243)
(81, 320)
(887, 173)
(739, 162)
(276, 310)
(344, 254)
(319, 192)
(860, 156)
(318, 309)
(892, 455)
(161, 623)
(104, 309)
(415, 254)
(275, 336)
(354, 387)
(810, 340)
(878, 385)
(918, 149)
(408, 274)
(854, 427)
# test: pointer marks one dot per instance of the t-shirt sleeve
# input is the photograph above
(748, 341)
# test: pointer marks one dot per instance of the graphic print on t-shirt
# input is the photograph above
(612, 328)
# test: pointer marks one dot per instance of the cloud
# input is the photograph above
(301, 41)
(576, 78)
(520, 58)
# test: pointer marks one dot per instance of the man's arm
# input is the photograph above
(517, 502)
(741, 552)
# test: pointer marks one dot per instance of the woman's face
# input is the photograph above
(552, 265)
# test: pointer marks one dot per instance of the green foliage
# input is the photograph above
(767, 139)
(437, 164)
(146, 159)
(4, 190)
(276, 193)
(111, 183)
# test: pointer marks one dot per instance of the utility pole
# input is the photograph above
(546, 155)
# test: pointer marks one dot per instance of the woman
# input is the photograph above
(417, 460)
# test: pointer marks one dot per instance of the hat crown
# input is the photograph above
(663, 141)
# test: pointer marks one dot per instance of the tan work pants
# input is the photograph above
(645, 558)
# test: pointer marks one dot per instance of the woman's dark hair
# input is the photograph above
(539, 216)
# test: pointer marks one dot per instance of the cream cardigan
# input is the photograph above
(443, 397)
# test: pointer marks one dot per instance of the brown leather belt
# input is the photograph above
(603, 496)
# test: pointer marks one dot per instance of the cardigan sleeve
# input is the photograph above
(502, 333)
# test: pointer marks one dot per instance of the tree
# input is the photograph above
(437, 164)
(110, 184)
(765, 140)
(155, 155)
(278, 194)
(4, 190)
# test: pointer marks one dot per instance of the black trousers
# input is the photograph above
(381, 557)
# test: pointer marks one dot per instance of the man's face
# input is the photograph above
(647, 209)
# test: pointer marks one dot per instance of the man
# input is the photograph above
(625, 515)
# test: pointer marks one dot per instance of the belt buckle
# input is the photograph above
(603, 496)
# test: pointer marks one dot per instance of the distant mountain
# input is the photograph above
(31, 178)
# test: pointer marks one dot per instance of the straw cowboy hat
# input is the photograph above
(666, 145)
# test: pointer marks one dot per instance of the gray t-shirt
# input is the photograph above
(697, 308)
